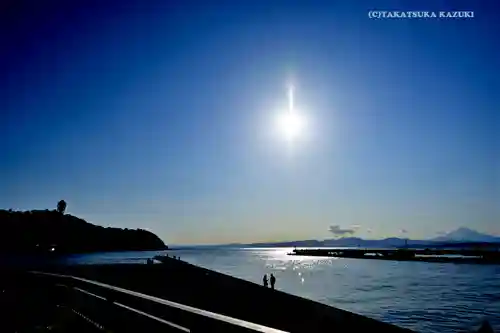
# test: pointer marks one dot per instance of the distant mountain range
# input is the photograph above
(461, 236)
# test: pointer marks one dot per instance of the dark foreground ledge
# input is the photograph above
(184, 283)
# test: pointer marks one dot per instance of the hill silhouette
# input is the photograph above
(46, 231)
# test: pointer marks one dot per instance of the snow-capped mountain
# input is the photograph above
(466, 235)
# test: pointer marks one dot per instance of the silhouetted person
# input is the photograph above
(264, 280)
(273, 281)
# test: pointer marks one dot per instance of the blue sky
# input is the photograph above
(158, 115)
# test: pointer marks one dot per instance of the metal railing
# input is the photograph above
(116, 306)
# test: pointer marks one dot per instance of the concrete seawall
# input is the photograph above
(182, 282)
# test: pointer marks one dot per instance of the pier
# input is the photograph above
(479, 256)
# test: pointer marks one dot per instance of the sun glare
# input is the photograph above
(290, 123)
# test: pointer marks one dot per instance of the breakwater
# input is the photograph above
(477, 256)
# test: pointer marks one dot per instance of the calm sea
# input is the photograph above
(425, 297)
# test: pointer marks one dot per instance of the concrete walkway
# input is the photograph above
(184, 283)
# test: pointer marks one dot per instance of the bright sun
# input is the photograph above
(290, 123)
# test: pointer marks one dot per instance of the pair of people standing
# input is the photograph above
(272, 279)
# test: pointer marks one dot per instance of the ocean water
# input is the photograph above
(425, 297)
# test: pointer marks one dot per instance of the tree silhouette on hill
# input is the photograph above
(61, 206)
(41, 230)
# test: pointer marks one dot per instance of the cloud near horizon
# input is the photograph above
(337, 230)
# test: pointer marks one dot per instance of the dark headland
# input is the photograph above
(46, 231)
